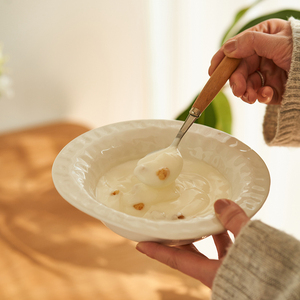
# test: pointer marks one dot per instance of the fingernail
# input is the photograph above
(220, 205)
(245, 97)
(233, 87)
(139, 247)
(230, 46)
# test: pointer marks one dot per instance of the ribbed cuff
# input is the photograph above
(263, 263)
(281, 125)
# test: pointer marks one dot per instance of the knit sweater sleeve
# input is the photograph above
(281, 125)
(263, 264)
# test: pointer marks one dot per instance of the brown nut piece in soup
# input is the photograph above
(116, 192)
(139, 206)
(163, 173)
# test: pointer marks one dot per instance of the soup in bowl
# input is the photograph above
(95, 173)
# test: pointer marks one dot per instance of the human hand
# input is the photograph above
(266, 47)
(188, 259)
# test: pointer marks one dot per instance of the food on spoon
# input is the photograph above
(160, 168)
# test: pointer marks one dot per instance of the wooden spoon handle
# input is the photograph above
(216, 82)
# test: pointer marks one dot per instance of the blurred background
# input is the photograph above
(97, 62)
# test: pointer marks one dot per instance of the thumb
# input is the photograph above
(251, 42)
(271, 46)
(231, 215)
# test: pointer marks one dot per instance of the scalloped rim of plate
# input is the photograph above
(195, 228)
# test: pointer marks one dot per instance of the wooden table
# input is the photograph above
(52, 251)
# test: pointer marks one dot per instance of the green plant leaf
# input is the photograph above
(208, 117)
(216, 115)
(237, 18)
(283, 14)
(222, 112)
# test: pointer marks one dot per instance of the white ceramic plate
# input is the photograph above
(78, 167)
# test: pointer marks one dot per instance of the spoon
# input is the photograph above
(161, 168)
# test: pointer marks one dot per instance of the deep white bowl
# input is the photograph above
(79, 166)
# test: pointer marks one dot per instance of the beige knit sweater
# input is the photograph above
(282, 123)
(264, 263)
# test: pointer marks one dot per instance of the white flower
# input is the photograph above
(5, 86)
(5, 81)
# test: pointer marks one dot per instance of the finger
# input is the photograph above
(254, 86)
(222, 242)
(189, 247)
(265, 95)
(275, 79)
(261, 40)
(190, 263)
(238, 84)
(216, 59)
(238, 80)
(271, 76)
(271, 39)
(231, 215)
(250, 43)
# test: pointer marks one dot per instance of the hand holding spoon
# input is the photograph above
(161, 168)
